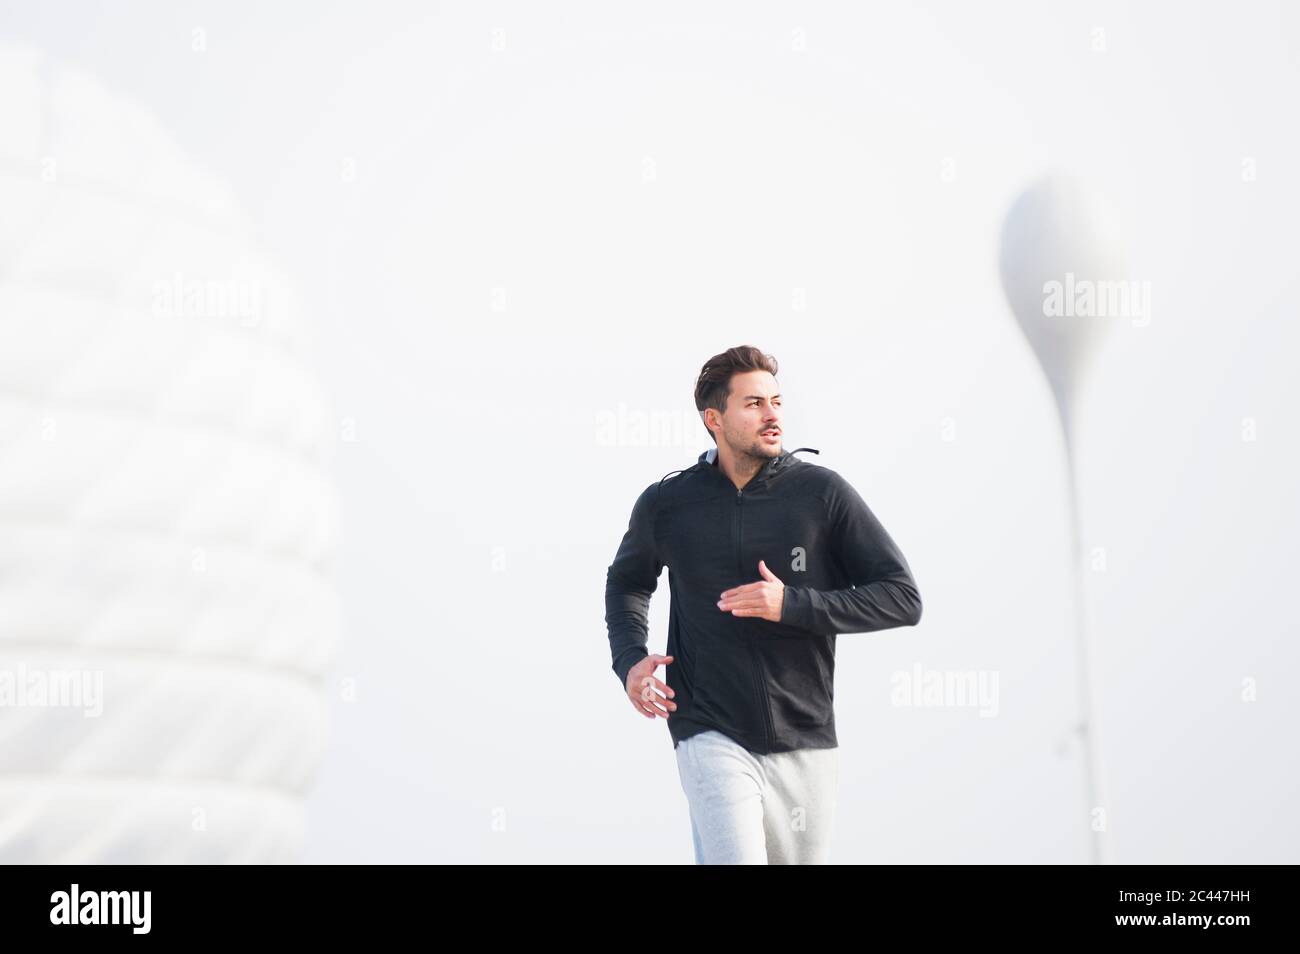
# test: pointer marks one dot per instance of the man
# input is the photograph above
(769, 558)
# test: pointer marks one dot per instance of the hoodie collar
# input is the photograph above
(709, 461)
(773, 466)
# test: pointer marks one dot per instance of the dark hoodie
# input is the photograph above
(769, 686)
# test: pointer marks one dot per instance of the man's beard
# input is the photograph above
(755, 454)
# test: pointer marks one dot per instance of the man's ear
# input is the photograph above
(704, 416)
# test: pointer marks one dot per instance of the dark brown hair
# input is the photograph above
(714, 384)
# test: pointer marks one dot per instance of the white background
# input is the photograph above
(462, 193)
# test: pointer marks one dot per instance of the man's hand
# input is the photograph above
(641, 686)
(762, 599)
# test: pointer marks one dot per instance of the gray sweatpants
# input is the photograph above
(754, 809)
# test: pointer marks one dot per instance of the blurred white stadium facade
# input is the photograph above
(167, 520)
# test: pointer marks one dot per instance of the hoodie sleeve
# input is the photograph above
(881, 592)
(631, 579)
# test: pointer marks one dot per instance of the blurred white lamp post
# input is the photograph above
(1059, 231)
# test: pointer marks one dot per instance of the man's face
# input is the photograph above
(753, 411)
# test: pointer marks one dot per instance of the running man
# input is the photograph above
(769, 557)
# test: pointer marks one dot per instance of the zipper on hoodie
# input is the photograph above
(755, 670)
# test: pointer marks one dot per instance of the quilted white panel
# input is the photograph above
(167, 523)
